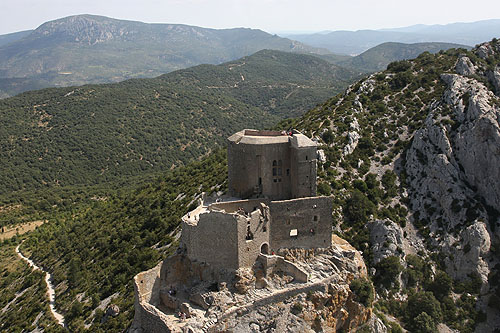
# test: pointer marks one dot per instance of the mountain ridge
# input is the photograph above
(356, 42)
(392, 145)
(94, 49)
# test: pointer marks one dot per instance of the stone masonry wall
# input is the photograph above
(250, 249)
(147, 317)
(310, 217)
(213, 240)
(303, 162)
(233, 206)
(250, 167)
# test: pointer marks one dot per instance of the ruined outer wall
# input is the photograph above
(249, 250)
(247, 163)
(213, 240)
(147, 317)
(233, 206)
(303, 215)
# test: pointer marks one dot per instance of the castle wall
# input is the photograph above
(251, 171)
(214, 239)
(147, 317)
(233, 206)
(258, 225)
(309, 218)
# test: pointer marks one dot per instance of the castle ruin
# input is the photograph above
(234, 243)
(272, 184)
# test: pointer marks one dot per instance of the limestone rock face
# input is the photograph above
(485, 50)
(476, 246)
(386, 238)
(477, 142)
(453, 171)
(494, 78)
(376, 325)
(465, 67)
(321, 156)
(352, 142)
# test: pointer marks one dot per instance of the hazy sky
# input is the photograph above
(268, 15)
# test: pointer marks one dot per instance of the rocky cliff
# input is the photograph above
(412, 154)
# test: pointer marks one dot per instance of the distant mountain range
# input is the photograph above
(91, 49)
(94, 49)
(9, 38)
(356, 42)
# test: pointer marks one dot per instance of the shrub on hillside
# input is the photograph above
(363, 291)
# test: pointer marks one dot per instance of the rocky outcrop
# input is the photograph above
(352, 138)
(304, 291)
(465, 67)
(453, 172)
(386, 238)
(494, 77)
(473, 252)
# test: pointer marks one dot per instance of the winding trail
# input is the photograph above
(50, 288)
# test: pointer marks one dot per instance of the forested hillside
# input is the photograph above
(378, 57)
(100, 133)
(95, 252)
(411, 156)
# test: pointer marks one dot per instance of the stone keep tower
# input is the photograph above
(270, 164)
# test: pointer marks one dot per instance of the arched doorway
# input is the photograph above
(264, 248)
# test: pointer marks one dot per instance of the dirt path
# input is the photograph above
(50, 288)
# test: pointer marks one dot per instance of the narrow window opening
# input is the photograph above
(249, 235)
(315, 218)
(288, 172)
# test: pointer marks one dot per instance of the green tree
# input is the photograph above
(424, 323)
(358, 208)
(423, 302)
(363, 291)
(388, 270)
(442, 285)
(324, 189)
